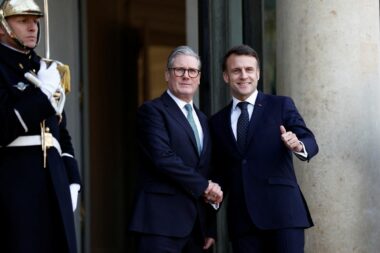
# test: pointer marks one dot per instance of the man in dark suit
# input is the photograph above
(254, 139)
(173, 210)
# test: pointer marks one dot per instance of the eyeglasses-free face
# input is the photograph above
(242, 75)
(180, 72)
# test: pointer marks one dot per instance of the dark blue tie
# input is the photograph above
(242, 126)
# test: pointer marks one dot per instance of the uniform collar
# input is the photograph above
(21, 61)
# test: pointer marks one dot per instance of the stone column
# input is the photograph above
(328, 62)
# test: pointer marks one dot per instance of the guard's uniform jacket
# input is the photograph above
(35, 205)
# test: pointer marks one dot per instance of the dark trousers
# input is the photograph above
(147, 243)
(290, 240)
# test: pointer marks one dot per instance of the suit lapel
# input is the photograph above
(227, 128)
(178, 115)
(256, 115)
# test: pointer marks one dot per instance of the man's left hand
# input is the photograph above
(290, 140)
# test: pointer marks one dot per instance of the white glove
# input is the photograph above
(74, 190)
(47, 79)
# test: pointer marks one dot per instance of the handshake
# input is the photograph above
(213, 194)
(48, 79)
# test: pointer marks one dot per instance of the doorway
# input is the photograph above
(128, 42)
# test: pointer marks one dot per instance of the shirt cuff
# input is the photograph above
(215, 206)
(303, 153)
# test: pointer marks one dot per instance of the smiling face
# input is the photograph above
(183, 87)
(242, 75)
(24, 28)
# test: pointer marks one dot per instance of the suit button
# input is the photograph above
(244, 161)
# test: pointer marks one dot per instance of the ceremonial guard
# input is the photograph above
(39, 177)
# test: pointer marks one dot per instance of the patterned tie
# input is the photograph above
(242, 126)
(190, 118)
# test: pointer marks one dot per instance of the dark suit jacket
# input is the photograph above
(173, 176)
(261, 182)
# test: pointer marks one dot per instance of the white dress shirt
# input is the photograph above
(181, 104)
(235, 112)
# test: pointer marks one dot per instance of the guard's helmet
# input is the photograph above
(10, 8)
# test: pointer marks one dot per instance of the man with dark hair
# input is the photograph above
(254, 139)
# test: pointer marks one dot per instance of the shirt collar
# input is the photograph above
(251, 99)
(178, 101)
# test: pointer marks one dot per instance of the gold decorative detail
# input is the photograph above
(64, 71)
(46, 140)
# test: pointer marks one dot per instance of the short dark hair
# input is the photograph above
(240, 50)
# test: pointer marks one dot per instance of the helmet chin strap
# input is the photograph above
(19, 42)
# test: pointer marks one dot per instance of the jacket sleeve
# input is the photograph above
(68, 155)
(295, 123)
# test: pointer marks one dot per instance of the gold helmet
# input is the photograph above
(20, 7)
(10, 8)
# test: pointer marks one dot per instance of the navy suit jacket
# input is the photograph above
(173, 176)
(261, 182)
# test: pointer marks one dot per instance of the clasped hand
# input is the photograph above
(213, 193)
